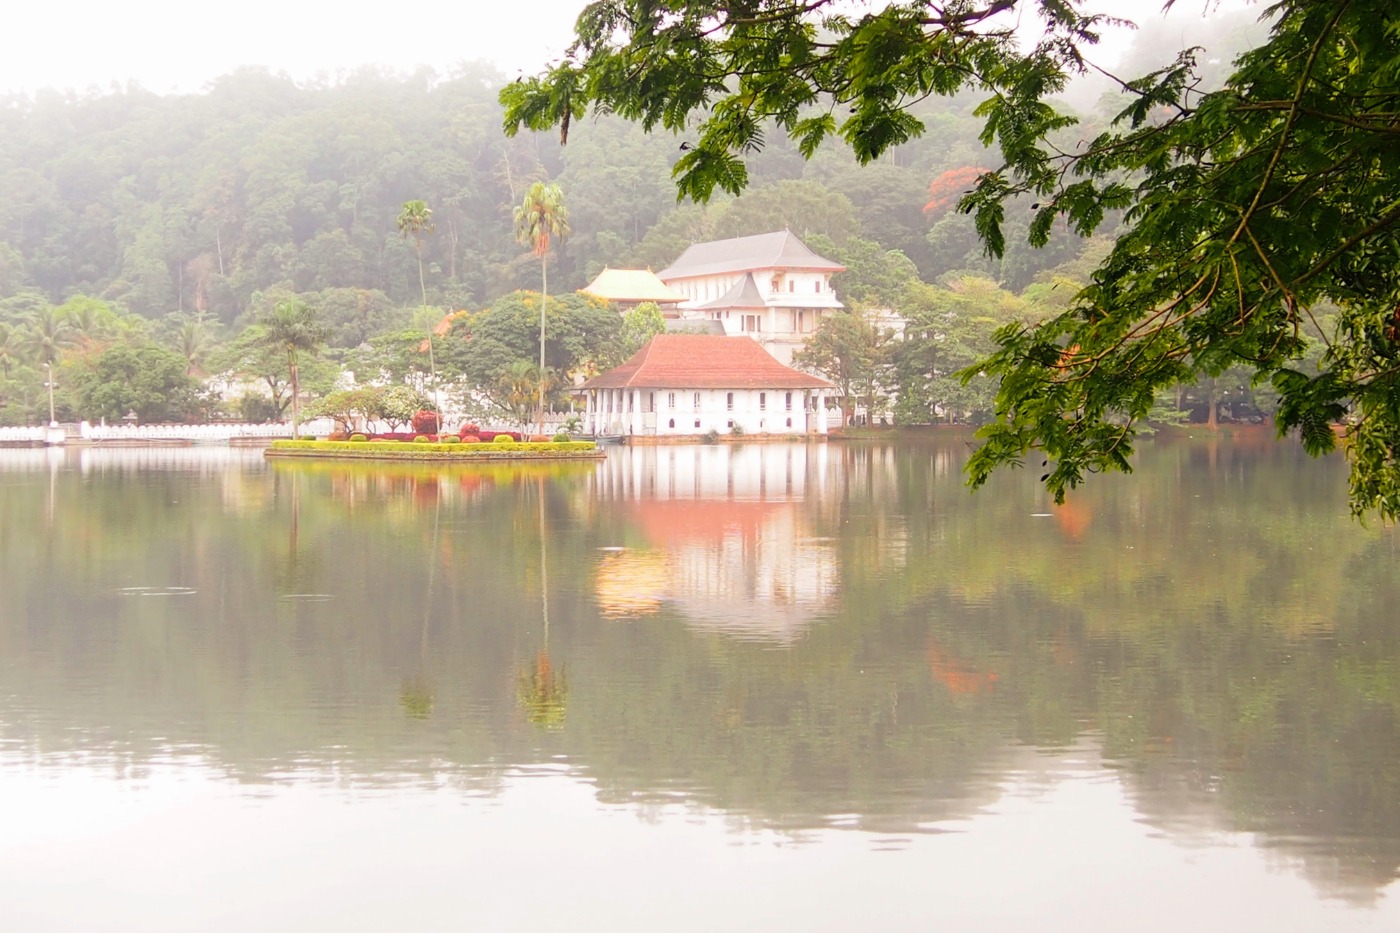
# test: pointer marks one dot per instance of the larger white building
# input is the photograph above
(770, 287)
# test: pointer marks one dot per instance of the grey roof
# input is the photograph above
(692, 325)
(742, 294)
(781, 250)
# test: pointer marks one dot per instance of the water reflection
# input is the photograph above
(790, 640)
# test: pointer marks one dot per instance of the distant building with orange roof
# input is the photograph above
(690, 384)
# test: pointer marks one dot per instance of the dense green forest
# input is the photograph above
(163, 228)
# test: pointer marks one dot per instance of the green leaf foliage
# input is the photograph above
(1247, 207)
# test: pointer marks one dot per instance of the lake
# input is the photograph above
(773, 686)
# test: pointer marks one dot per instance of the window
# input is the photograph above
(729, 401)
(789, 422)
(671, 423)
(697, 422)
(696, 406)
(751, 323)
(787, 406)
(819, 286)
(651, 402)
(763, 401)
(776, 284)
(670, 400)
(792, 286)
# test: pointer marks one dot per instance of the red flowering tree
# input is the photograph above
(944, 191)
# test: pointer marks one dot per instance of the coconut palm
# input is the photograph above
(11, 347)
(519, 385)
(91, 322)
(416, 220)
(192, 338)
(47, 334)
(539, 219)
(292, 327)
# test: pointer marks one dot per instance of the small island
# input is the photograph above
(468, 448)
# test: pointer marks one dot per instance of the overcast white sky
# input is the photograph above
(179, 46)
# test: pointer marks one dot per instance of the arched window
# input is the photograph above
(671, 423)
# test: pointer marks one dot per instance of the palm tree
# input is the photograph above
(538, 219)
(416, 220)
(11, 347)
(520, 384)
(192, 338)
(294, 328)
(91, 322)
(48, 333)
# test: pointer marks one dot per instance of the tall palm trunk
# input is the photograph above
(296, 395)
(544, 298)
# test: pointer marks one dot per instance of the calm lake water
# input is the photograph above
(695, 688)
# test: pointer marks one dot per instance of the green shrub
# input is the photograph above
(502, 439)
(561, 437)
(451, 439)
(737, 430)
(421, 439)
(358, 437)
(710, 437)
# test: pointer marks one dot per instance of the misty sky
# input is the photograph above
(179, 46)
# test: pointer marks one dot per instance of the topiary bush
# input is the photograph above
(358, 437)
(426, 422)
(421, 439)
(469, 428)
(450, 439)
(561, 437)
(503, 439)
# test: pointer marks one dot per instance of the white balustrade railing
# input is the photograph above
(22, 435)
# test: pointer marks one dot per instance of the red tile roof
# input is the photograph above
(702, 361)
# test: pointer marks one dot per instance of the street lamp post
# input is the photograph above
(48, 368)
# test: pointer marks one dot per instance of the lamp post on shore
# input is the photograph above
(48, 369)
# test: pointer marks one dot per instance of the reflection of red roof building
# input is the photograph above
(739, 568)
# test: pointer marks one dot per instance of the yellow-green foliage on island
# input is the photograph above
(452, 451)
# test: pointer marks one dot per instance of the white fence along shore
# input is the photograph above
(155, 433)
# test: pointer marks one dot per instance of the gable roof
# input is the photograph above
(743, 294)
(781, 250)
(632, 285)
(702, 361)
